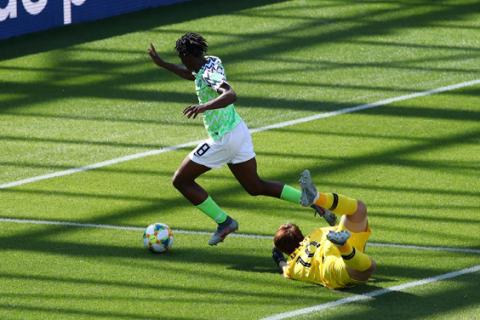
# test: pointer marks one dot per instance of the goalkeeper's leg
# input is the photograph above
(359, 265)
(354, 210)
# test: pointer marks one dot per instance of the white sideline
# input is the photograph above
(371, 295)
(269, 127)
(234, 235)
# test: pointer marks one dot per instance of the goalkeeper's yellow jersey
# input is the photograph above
(318, 260)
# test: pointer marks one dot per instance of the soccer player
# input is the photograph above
(332, 256)
(229, 140)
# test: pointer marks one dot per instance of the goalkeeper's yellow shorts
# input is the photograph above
(358, 239)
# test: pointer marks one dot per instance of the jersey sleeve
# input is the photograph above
(214, 76)
(287, 270)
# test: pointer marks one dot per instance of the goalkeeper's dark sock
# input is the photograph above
(337, 203)
(290, 194)
(353, 258)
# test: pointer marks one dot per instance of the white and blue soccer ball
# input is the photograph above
(158, 237)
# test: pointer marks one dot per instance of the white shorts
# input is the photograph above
(234, 147)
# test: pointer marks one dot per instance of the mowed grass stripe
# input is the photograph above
(369, 295)
(318, 116)
(234, 235)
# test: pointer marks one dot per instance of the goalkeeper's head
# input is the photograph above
(288, 238)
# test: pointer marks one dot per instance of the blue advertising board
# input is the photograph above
(24, 16)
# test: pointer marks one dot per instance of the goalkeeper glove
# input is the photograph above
(277, 257)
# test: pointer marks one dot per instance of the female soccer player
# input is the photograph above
(229, 139)
(333, 256)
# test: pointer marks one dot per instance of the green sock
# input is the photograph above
(211, 209)
(290, 194)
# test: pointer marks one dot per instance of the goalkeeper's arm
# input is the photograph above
(279, 260)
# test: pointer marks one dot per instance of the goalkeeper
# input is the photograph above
(332, 256)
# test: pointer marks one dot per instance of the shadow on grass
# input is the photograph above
(163, 173)
(363, 160)
(171, 272)
(451, 298)
(293, 38)
(127, 23)
(221, 257)
(460, 294)
(94, 314)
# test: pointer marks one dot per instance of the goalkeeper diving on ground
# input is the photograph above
(331, 256)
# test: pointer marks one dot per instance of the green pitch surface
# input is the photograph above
(87, 94)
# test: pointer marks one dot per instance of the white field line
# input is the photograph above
(234, 235)
(371, 295)
(269, 127)
(99, 164)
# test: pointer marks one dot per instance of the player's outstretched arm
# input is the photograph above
(179, 70)
(227, 96)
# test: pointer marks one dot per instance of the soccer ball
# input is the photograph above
(158, 237)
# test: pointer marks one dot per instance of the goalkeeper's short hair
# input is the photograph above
(288, 238)
(191, 43)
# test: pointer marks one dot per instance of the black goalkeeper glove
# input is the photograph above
(277, 257)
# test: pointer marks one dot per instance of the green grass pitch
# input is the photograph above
(86, 94)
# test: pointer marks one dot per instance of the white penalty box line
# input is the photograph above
(265, 128)
(370, 295)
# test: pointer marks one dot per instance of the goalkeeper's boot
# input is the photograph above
(223, 230)
(328, 215)
(309, 192)
(338, 238)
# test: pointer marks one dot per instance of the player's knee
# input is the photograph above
(371, 270)
(361, 209)
(363, 275)
(254, 190)
(177, 180)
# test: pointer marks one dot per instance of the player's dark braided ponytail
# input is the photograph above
(191, 43)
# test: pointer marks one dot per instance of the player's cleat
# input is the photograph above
(338, 238)
(328, 215)
(222, 232)
(309, 192)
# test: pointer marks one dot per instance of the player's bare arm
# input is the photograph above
(227, 96)
(179, 70)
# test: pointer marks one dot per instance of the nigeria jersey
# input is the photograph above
(207, 81)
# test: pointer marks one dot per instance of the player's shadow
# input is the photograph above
(262, 265)
(224, 256)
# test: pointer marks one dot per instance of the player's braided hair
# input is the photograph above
(191, 43)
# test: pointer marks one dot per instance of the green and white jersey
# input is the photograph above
(207, 81)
